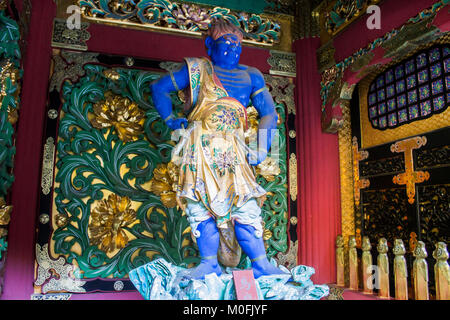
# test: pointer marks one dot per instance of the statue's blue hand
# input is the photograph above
(175, 124)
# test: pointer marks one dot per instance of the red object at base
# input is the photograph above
(244, 282)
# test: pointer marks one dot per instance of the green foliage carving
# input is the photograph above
(89, 163)
(275, 207)
(9, 77)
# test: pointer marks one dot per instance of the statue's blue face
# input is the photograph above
(225, 51)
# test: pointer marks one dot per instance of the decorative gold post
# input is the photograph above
(366, 264)
(340, 261)
(441, 272)
(400, 271)
(353, 263)
(346, 174)
(420, 272)
(383, 268)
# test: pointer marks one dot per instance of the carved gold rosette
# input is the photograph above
(120, 113)
(107, 223)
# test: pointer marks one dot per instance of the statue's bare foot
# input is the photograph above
(264, 268)
(203, 269)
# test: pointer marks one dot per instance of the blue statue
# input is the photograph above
(217, 188)
(217, 184)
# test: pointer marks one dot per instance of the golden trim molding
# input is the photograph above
(346, 175)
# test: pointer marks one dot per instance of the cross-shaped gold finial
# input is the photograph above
(410, 177)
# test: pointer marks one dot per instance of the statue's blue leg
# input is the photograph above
(255, 250)
(208, 244)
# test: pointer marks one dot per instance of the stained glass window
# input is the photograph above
(412, 90)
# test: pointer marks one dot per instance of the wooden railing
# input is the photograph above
(357, 270)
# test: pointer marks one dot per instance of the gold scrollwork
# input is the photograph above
(47, 165)
(70, 38)
(55, 275)
(293, 176)
(282, 63)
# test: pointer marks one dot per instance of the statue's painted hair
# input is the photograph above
(220, 27)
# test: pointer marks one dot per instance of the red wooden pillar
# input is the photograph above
(318, 170)
(19, 272)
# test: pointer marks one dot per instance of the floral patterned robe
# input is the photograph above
(214, 168)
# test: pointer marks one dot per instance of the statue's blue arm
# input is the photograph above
(263, 103)
(160, 91)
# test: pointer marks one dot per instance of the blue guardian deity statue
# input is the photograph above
(217, 188)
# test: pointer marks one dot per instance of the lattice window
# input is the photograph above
(414, 89)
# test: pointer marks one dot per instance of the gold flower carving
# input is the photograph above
(5, 212)
(108, 220)
(120, 113)
(164, 183)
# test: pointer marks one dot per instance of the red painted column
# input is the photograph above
(18, 282)
(318, 170)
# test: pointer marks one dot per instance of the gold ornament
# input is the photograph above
(111, 74)
(269, 169)
(165, 182)
(9, 71)
(5, 212)
(108, 219)
(61, 220)
(358, 183)
(120, 113)
(293, 176)
(410, 177)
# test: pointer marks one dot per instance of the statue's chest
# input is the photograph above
(237, 83)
